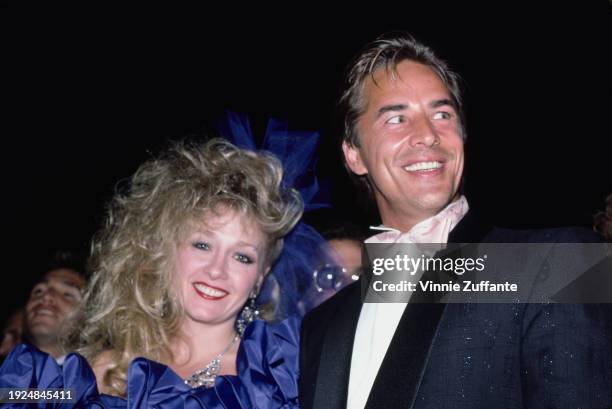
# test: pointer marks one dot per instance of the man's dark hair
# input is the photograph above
(68, 259)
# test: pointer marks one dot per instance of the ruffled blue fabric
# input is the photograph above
(289, 284)
(267, 364)
(27, 367)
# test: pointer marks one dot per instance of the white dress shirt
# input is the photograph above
(378, 321)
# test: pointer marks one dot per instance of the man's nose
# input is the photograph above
(49, 295)
(424, 133)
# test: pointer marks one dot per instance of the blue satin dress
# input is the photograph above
(267, 364)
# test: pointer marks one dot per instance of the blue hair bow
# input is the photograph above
(295, 149)
(288, 286)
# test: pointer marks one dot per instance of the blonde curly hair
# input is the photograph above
(130, 307)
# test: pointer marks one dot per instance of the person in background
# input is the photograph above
(51, 302)
(603, 223)
(343, 262)
(11, 333)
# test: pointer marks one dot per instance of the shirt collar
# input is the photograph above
(434, 229)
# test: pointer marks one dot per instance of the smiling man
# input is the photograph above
(51, 301)
(409, 145)
(403, 141)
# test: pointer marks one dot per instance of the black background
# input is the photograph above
(90, 94)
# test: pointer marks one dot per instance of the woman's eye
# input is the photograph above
(442, 115)
(201, 245)
(243, 258)
(397, 119)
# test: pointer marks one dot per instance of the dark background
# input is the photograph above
(88, 98)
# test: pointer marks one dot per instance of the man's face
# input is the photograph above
(347, 253)
(410, 144)
(11, 334)
(51, 300)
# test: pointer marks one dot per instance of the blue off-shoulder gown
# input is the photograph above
(267, 364)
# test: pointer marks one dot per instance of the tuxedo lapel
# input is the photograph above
(401, 372)
(473, 228)
(334, 368)
(405, 362)
(402, 369)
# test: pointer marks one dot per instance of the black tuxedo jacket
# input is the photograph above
(493, 356)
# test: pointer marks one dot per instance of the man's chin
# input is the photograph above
(44, 331)
(434, 202)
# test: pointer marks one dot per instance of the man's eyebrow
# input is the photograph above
(72, 284)
(441, 102)
(389, 108)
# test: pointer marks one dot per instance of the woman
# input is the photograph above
(176, 269)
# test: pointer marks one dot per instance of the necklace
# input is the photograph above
(206, 376)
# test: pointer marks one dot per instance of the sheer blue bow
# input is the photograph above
(291, 275)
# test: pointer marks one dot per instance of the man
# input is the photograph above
(404, 139)
(603, 222)
(11, 333)
(341, 264)
(51, 301)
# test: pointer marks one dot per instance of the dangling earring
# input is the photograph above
(248, 314)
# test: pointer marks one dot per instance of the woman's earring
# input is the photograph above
(248, 314)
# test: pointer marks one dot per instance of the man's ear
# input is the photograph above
(353, 159)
